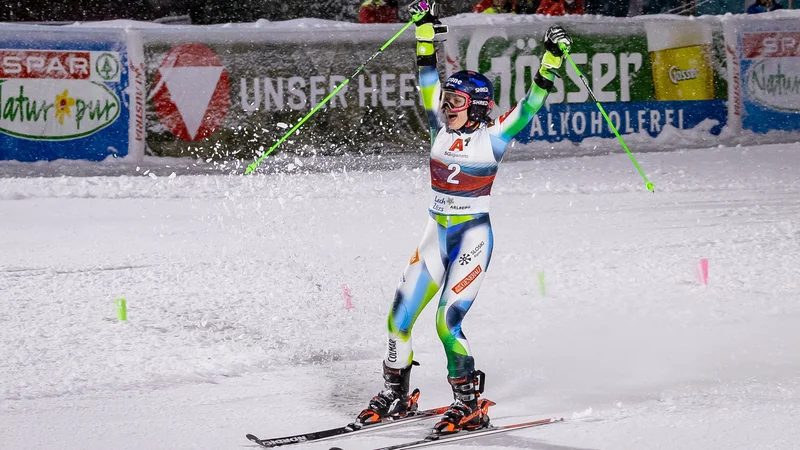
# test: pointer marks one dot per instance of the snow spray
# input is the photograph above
(348, 300)
(704, 271)
(319, 105)
(540, 275)
(122, 309)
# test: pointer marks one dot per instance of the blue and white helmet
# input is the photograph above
(478, 89)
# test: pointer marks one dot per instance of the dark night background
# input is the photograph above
(217, 11)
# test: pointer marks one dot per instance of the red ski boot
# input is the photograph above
(394, 401)
(468, 412)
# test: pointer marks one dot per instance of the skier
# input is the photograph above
(467, 147)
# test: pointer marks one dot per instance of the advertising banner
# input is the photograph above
(764, 56)
(649, 76)
(63, 94)
(232, 93)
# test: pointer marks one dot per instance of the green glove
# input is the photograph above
(554, 38)
(425, 34)
(551, 61)
(424, 14)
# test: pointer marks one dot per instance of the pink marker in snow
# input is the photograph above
(704, 271)
(348, 301)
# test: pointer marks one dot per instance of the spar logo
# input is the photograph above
(60, 65)
(191, 93)
(779, 44)
(57, 94)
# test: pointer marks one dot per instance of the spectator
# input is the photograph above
(378, 11)
(762, 6)
(496, 7)
(560, 7)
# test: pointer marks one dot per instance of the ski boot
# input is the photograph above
(468, 412)
(394, 401)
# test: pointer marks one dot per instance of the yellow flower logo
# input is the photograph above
(63, 104)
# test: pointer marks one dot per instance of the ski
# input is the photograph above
(349, 429)
(446, 439)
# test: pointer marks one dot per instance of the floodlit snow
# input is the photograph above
(237, 321)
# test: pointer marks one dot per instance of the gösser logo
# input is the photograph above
(676, 75)
(55, 94)
(191, 92)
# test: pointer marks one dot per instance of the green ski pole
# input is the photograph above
(254, 165)
(648, 184)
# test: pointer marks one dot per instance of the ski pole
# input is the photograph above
(253, 166)
(648, 184)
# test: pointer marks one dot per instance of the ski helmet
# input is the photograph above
(478, 90)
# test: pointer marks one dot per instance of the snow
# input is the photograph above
(237, 318)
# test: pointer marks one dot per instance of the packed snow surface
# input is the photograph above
(237, 321)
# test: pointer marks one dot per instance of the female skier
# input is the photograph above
(467, 147)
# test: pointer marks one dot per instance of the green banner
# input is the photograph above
(649, 75)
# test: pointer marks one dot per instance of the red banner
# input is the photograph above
(49, 64)
(771, 45)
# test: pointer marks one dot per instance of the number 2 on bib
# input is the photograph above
(456, 170)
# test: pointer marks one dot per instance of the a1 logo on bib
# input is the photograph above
(458, 146)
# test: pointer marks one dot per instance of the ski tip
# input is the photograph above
(252, 437)
(336, 448)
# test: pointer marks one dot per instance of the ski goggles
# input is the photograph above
(454, 100)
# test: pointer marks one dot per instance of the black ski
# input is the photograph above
(446, 439)
(349, 429)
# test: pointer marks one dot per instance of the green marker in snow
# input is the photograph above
(541, 282)
(122, 309)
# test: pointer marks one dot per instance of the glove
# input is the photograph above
(554, 38)
(424, 11)
(552, 59)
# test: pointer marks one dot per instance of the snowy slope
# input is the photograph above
(237, 321)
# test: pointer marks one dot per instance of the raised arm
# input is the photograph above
(428, 26)
(512, 122)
